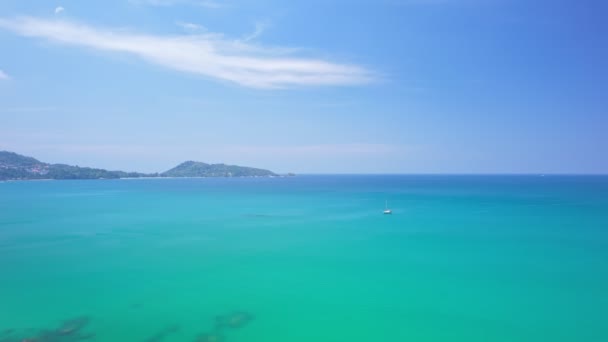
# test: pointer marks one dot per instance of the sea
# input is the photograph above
(310, 258)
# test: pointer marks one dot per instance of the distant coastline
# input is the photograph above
(16, 167)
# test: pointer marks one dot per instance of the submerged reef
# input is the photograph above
(233, 320)
(212, 337)
(161, 335)
(73, 330)
(69, 331)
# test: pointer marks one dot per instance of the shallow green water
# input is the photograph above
(311, 258)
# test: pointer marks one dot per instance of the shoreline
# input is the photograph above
(135, 178)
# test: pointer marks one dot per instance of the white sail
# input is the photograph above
(386, 209)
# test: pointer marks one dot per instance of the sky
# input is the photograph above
(385, 86)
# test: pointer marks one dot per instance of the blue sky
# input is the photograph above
(395, 86)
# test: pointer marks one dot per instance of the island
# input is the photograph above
(14, 166)
(198, 169)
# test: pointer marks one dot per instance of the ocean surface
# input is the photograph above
(306, 258)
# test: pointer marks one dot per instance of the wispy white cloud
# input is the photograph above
(165, 3)
(191, 27)
(210, 4)
(59, 9)
(259, 29)
(4, 76)
(210, 55)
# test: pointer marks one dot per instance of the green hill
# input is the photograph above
(198, 169)
(14, 166)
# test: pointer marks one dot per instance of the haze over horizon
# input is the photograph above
(422, 86)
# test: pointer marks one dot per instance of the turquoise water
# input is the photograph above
(307, 258)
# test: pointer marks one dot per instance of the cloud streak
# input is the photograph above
(191, 27)
(260, 27)
(4, 76)
(210, 55)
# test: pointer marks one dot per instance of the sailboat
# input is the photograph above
(387, 211)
